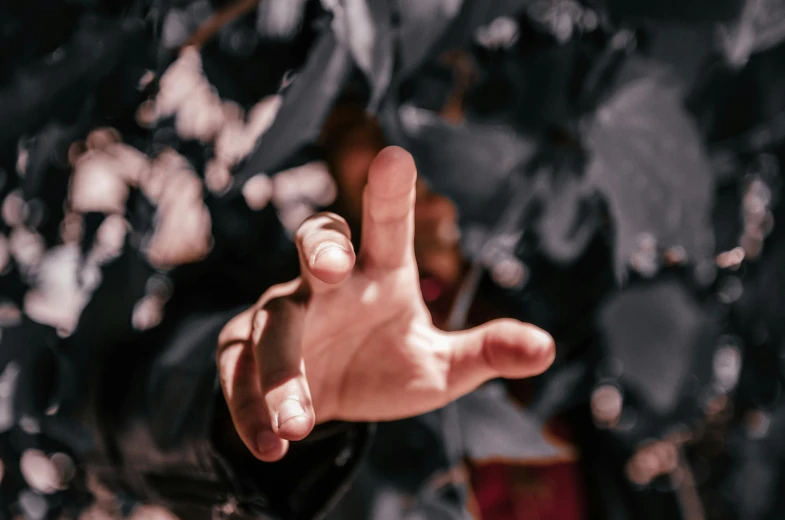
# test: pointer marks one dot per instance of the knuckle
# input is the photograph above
(237, 330)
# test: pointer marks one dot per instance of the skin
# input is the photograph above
(351, 338)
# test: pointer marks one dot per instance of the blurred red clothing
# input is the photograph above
(506, 491)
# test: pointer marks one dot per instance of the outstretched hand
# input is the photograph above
(351, 338)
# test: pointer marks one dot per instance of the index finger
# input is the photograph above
(243, 394)
(388, 210)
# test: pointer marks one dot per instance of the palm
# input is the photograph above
(343, 355)
(356, 342)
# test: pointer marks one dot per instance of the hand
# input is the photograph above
(356, 342)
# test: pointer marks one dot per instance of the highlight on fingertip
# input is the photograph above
(542, 342)
(392, 171)
(332, 262)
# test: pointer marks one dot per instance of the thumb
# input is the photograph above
(501, 348)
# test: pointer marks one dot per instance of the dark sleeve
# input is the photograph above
(168, 447)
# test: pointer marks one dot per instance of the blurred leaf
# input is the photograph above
(562, 18)
(493, 427)
(180, 24)
(760, 26)
(472, 164)
(648, 162)
(562, 387)
(306, 104)
(429, 28)
(569, 216)
(8, 378)
(280, 19)
(686, 48)
(750, 476)
(51, 87)
(29, 368)
(742, 110)
(176, 28)
(660, 338)
(530, 91)
(421, 26)
(564, 230)
(364, 27)
(758, 315)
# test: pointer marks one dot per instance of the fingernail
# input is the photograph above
(290, 409)
(326, 247)
(267, 441)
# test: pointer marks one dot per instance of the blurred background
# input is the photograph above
(609, 170)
